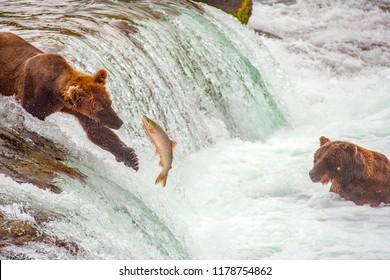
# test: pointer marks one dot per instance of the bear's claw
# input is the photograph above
(128, 157)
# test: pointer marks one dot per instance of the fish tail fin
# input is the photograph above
(162, 179)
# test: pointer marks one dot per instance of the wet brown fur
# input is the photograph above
(356, 174)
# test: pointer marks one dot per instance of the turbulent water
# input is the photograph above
(247, 111)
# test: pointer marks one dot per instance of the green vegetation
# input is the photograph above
(244, 12)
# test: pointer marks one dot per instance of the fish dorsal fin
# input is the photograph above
(161, 164)
(174, 144)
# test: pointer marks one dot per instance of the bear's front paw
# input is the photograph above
(128, 157)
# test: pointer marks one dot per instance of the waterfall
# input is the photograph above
(246, 111)
(175, 63)
(172, 63)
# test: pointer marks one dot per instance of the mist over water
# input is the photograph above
(246, 110)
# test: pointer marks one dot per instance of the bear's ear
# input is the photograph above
(352, 149)
(323, 140)
(73, 96)
(100, 76)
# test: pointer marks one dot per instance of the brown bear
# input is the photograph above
(45, 83)
(356, 174)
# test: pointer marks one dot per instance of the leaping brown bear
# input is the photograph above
(356, 174)
(45, 83)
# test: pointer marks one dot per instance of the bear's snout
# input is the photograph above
(314, 177)
(110, 119)
(115, 125)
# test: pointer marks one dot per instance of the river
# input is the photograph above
(246, 110)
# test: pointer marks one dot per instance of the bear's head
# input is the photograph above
(88, 96)
(337, 160)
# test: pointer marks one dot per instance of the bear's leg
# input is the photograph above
(106, 139)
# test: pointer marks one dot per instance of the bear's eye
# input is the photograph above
(95, 106)
(315, 157)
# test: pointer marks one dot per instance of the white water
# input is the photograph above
(226, 197)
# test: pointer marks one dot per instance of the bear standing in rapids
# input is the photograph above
(357, 174)
(45, 83)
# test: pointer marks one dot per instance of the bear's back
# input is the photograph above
(373, 185)
(14, 51)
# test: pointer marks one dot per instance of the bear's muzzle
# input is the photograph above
(314, 177)
(109, 118)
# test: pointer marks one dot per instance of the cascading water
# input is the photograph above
(181, 83)
(239, 186)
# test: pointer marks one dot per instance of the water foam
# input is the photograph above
(228, 198)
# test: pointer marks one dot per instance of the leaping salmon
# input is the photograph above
(164, 147)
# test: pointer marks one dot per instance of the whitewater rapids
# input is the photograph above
(247, 111)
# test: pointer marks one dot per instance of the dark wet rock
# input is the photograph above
(267, 34)
(19, 232)
(125, 27)
(241, 9)
(27, 157)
